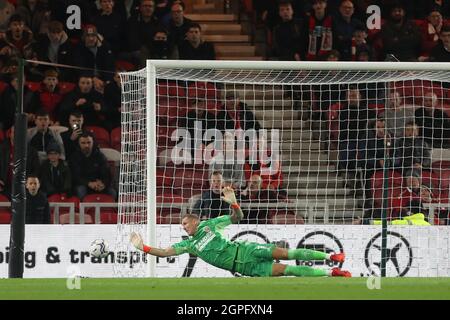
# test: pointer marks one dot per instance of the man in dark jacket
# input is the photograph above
(76, 129)
(194, 48)
(55, 47)
(86, 100)
(90, 169)
(18, 42)
(411, 151)
(210, 205)
(288, 35)
(141, 27)
(54, 173)
(178, 24)
(236, 115)
(433, 123)
(344, 24)
(400, 36)
(441, 52)
(37, 208)
(95, 53)
(111, 25)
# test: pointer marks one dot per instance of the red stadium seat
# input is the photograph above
(124, 65)
(3, 86)
(116, 138)
(164, 180)
(395, 182)
(188, 182)
(2, 135)
(170, 90)
(169, 109)
(64, 199)
(283, 217)
(108, 215)
(5, 212)
(65, 219)
(202, 90)
(101, 136)
(163, 136)
(430, 179)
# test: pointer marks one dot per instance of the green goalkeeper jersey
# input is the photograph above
(209, 244)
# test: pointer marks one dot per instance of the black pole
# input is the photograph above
(18, 195)
(385, 207)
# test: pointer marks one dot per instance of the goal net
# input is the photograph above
(319, 155)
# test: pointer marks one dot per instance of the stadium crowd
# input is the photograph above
(73, 113)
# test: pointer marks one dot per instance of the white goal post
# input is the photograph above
(296, 107)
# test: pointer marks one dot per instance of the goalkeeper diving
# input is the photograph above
(246, 258)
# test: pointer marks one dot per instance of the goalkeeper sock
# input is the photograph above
(303, 271)
(307, 255)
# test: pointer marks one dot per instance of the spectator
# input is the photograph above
(76, 129)
(95, 53)
(413, 197)
(18, 42)
(141, 28)
(127, 8)
(210, 205)
(267, 11)
(36, 15)
(49, 95)
(411, 151)
(42, 135)
(442, 5)
(399, 36)
(320, 31)
(434, 124)
(361, 50)
(158, 48)
(236, 114)
(441, 52)
(396, 115)
(90, 169)
(344, 25)
(178, 25)
(288, 35)
(371, 156)
(255, 193)
(363, 55)
(37, 207)
(194, 47)
(7, 162)
(113, 100)
(110, 25)
(8, 101)
(56, 47)
(199, 118)
(162, 9)
(333, 55)
(86, 100)
(430, 33)
(227, 162)
(6, 11)
(354, 117)
(54, 173)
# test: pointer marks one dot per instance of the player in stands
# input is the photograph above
(246, 258)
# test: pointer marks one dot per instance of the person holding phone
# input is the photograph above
(70, 137)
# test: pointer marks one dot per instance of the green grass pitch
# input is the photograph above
(227, 289)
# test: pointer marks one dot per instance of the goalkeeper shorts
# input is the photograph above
(255, 259)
